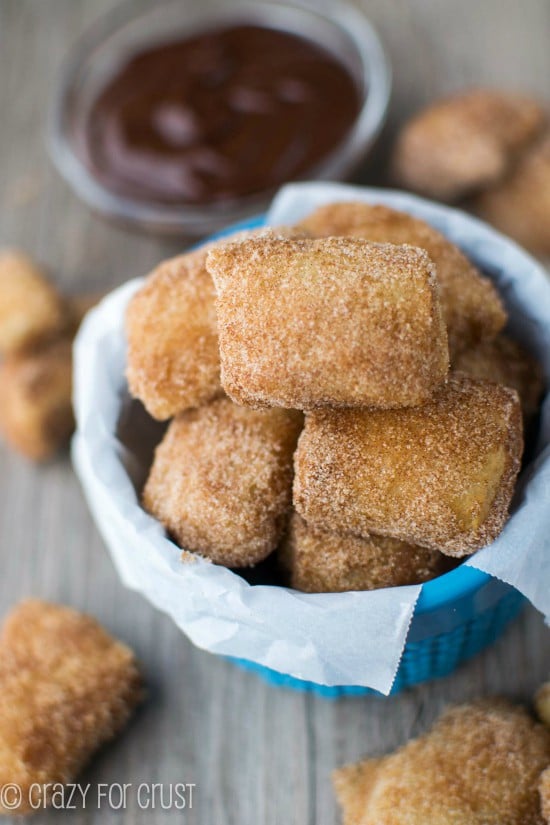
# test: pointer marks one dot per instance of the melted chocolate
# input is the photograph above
(220, 115)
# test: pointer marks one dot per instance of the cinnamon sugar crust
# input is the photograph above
(505, 362)
(171, 328)
(544, 792)
(480, 764)
(36, 414)
(322, 561)
(31, 309)
(330, 322)
(66, 688)
(173, 361)
(221, 480)
(472, 308)
(542, 703)
(464, 143)
(519, 206)
(441, 476)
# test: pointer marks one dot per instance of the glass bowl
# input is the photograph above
(340, 28)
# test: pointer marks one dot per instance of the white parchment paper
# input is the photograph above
(332, 639)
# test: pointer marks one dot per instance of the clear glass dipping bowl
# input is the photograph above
(340, 28)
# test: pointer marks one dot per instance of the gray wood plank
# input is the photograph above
(256, 754)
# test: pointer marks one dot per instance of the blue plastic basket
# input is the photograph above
(457, 615)
(466, 608)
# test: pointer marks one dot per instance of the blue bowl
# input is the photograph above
(468, 608)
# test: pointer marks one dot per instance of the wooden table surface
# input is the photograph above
(256, 754)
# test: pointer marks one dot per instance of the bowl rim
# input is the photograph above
(376, 71)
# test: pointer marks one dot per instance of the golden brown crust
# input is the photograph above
(173, 361)
(471, 306)
(441, 475)
(221, 480)
(329, 322)
(544, 792)
(520, 205)
(505, 362)
(479, 765)
(464, 143)
(353, 784)
(171, 328)
(66, 688)
(36, 415)
(542, 703)
(322, 561)
(31, 309)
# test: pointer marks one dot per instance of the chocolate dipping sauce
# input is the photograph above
(217, 116)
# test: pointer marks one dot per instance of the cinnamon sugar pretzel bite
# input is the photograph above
(221, 480)
(332, 322)
(31, 309)
(471, 305)
(505, 362)
(464, 143)
(480, 763)
(66, 688)
(519, 205)
(322, 561)
(441, 475)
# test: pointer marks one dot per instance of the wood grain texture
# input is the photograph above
(256, 754)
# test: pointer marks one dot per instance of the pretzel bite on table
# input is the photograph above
(36, 414)
(31, 309)
(480, 764)
(505, 362)
(329, 322)
(519, 206)
(221, 480)
(171, 328)
(322, 561)
(66, 688)
(471, 306)
(441, 475)
(542, 703)
(544, 791)
(459, 145)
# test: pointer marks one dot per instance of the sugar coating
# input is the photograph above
(173, 361)
(542, 703)
(480, 764)
(472, 308)
(322, 561)
(31, 309)
(36, 414)
(330, 322)
(505, 362)
(544, 792)
(221, 480)
(464, 143)
(519, 206)
(353, 785)
(66, 688)
(171, 328)
(441, 475)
